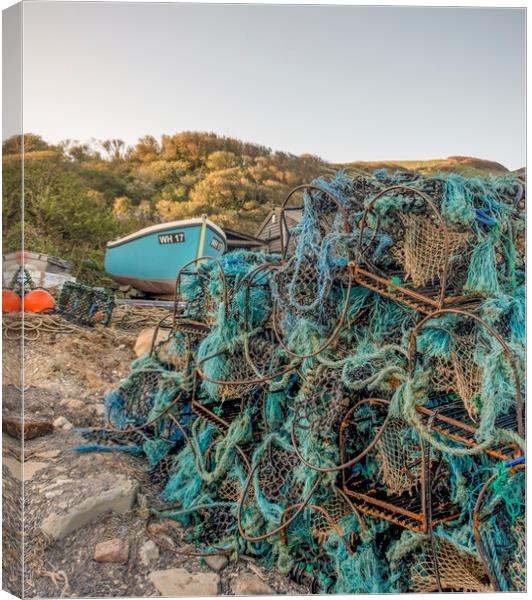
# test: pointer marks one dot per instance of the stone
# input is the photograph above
(48, 454)
(73, 404)
(31, 467)
(145, 337)
(113, 551)
(53, 494)
(180, 582)
(148, 552)
(17, 427)
(95, 501)
(217, 562)
(63, 423)
(251, 585)
(23, 471)
(14, 466)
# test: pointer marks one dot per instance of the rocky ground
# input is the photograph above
(86, 515)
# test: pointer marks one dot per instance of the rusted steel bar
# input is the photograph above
(476, 527)
(357, 458)
(178, 283)
(443, 228)
(506, 350)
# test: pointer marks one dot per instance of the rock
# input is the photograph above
(148, 552)
(179, 582)
(63, 423)
(14, 466)
(48, 454)
(16, 427)
(73, 404)
(31, 467)
(94, 502)
(251, 585)
(23, 471)
(217, 562)
(114, 551)
(145, 337)
(53, 494)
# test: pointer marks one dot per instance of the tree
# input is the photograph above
(77, 151)
(115, 150)
(62, 217)
(32, 143)
(221, 160)
(80, 195)
(146, 150)
(122, 208)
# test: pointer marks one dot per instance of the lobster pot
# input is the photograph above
(441, 566)
(467, 361)
(399, 478)
(423, 253)
(305, 541)
(459, 373)
(318, 410)
(85, 305)
(407, 251)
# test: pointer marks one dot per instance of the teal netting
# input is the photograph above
(326, 422)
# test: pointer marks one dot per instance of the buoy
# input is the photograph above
(11, 302)
(38, 301)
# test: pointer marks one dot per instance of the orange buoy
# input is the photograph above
(11, 302)
(38, 301)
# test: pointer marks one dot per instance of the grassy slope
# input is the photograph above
(464, 165)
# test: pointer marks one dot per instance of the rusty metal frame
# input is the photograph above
(386, 287)
(283, 207)
(177, 286)
(343, 426)
(388, 508)
(332, 337)
(477, 524)
(508, 354)
(334, 525)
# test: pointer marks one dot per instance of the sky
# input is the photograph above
(343, 83)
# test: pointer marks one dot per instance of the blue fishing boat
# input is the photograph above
(149, 259)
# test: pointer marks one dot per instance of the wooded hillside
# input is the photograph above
(80, 195)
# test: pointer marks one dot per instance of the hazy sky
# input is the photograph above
(345, 83)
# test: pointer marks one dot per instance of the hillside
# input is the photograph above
(79, 195)
(467, 166)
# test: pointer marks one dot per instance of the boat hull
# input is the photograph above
(150, 259)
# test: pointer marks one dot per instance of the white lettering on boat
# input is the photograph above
(172, 238)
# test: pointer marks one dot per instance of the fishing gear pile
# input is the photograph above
(351, 410)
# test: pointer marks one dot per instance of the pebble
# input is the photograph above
(251, 585)
(217, 562)
(148, 552)
(180, 582)
(114, 551)
(63, 423)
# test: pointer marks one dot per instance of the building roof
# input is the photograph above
(237, 239)
(296, 213)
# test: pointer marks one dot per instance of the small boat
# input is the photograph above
(45, 271)
(149, 259)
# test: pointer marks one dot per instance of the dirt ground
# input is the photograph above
(68, 375)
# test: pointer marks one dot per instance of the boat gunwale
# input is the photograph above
(163, 227)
